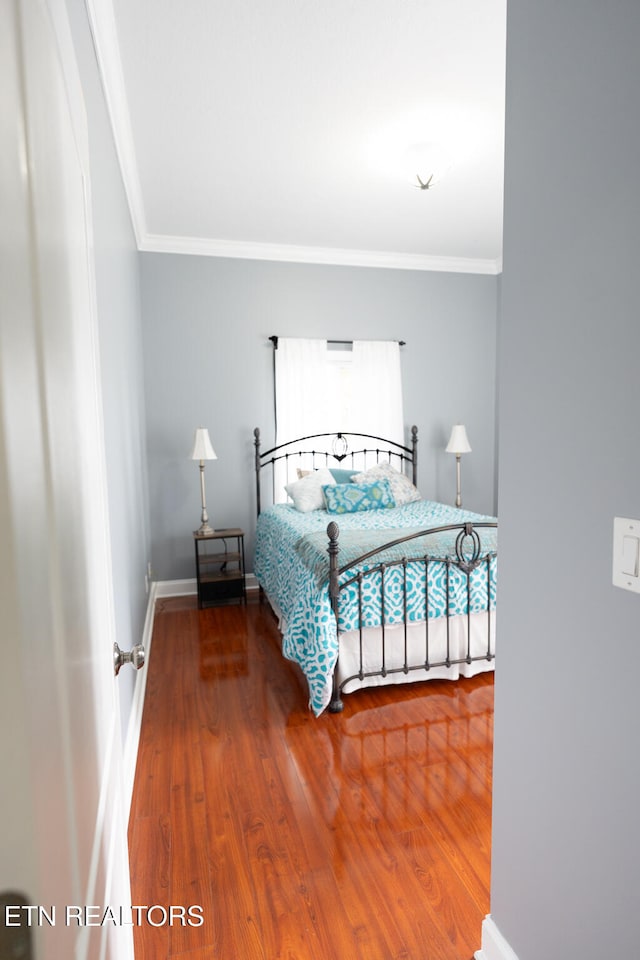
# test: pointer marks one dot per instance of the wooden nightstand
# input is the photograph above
(220, 566)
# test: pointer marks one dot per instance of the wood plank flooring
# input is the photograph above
(362, 835)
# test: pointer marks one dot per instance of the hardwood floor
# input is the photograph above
(359, 835)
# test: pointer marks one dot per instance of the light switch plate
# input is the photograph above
(626, 553)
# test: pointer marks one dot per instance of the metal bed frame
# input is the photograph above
(336, 453)
(469, 554)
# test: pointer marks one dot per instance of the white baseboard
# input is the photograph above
(158, 590)
(494, 945)
(134, 726)
(176, 588)
(187, 588)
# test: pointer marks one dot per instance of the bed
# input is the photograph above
(371, 584)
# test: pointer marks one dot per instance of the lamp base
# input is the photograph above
(205, 530)
(458, 493)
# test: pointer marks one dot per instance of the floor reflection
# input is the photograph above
(405, 760)
(223, 642)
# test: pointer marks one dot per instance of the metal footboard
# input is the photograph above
(469, 556)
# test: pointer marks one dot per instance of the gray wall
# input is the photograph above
(208, 362)
(566, 844)
(118, 301)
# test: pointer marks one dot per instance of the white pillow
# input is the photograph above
(401, 487)
(307, 493)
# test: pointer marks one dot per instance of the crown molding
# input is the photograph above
(105, 41)
(289, 253)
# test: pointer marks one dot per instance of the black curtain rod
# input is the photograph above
(274, 341)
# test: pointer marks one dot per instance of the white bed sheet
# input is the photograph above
(483, 634)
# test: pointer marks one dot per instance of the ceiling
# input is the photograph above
(280, 129)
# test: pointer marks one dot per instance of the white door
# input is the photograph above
(63, 818)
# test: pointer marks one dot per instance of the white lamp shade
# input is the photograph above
(458, 441)
(202, 449)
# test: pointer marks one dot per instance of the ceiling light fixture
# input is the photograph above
(427, 163)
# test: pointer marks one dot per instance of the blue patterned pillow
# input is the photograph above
(401, 487)
(354, 497)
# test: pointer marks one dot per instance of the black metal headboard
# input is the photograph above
(358, 450)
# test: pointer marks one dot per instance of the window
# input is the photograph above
(341, 406)
(326, 387)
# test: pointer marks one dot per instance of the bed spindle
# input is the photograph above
(333, 532)
(427, 664)
(489, 608)
(360, 629)
(469, 617)
(383, 671)
(406, 616)
(448, 613)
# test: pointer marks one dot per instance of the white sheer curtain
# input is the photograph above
(301, 382)
(377, 382)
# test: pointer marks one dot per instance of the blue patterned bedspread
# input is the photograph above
(291, 564)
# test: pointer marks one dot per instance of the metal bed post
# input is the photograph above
(414, 455)
(333, 532)
(256, 442)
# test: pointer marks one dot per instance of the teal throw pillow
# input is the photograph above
(354, 497)
(342, 475)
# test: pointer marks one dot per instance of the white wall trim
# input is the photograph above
(494, 945)
(250, 582)
(135, 716)
(186, 588)
(237, 249)
(175, 588)
(105, 41)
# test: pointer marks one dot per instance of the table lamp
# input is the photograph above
(202, 450)
(458, 444)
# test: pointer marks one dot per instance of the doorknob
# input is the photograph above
(15, 937)
(135, 657)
